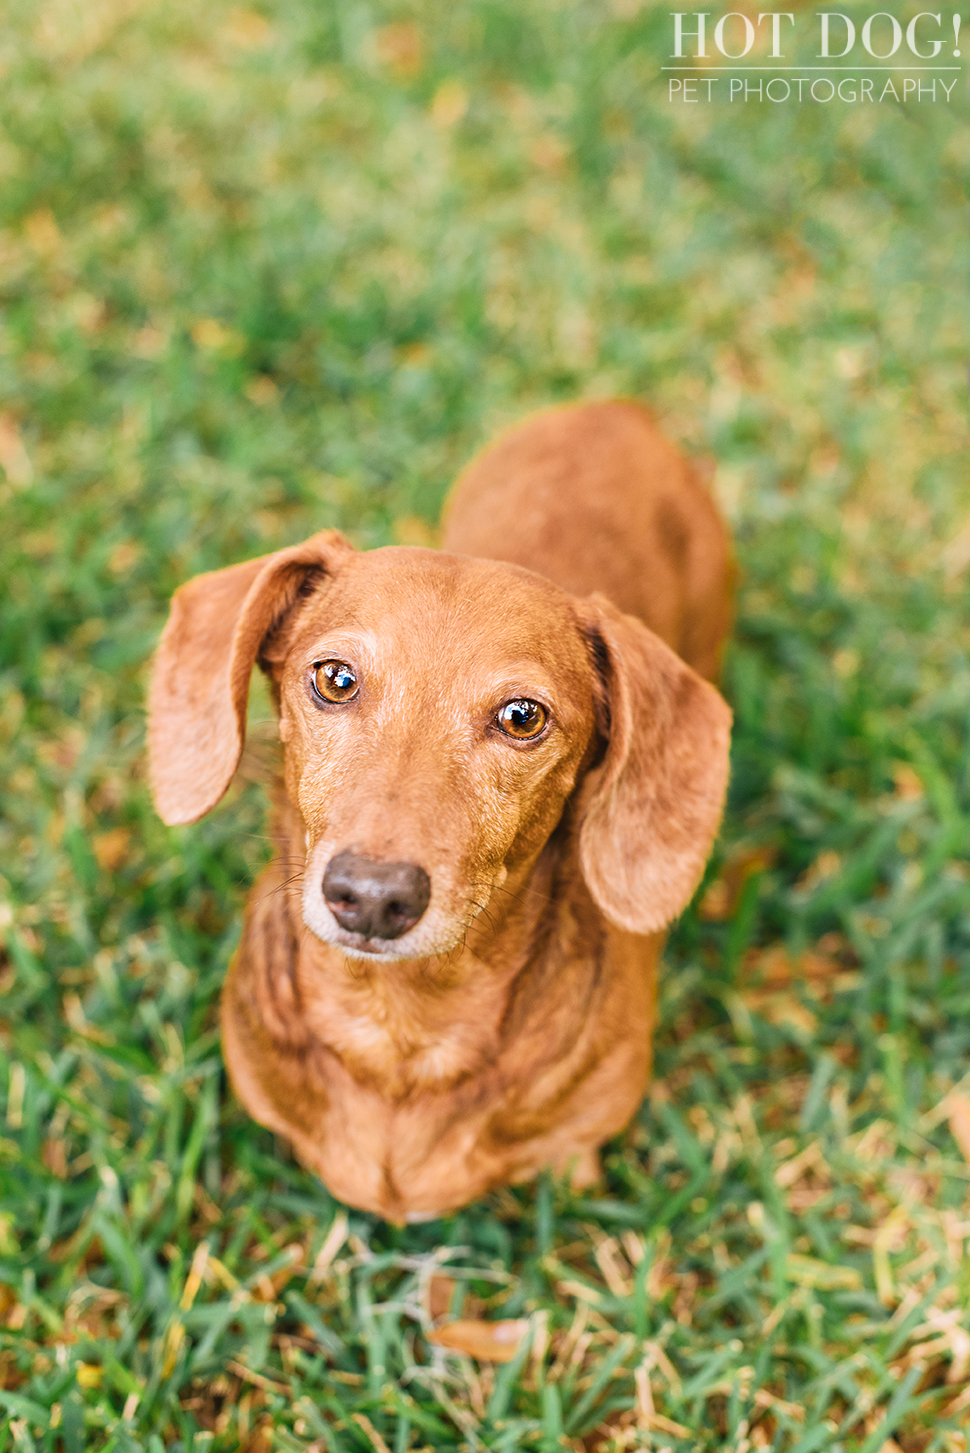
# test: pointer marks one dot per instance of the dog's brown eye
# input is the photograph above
(335, 681)
(521, 719)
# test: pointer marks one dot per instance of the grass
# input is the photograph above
(267, 270)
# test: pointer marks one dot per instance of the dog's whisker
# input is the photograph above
(483, 912)
(281, 887)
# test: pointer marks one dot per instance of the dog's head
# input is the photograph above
(438, 713)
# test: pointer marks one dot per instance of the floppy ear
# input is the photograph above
(200, 686)
(653, 805)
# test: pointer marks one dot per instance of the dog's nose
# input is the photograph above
(373, 898)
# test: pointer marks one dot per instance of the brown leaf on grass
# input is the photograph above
(958, 1114)
(487, 1341)
(721, 897)
(111, 848)
(776, 968)
(440, 1290)
(437, 1298)
(776, 984)
(438, 1295)
(821, 970)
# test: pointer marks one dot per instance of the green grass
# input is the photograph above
(265, 271)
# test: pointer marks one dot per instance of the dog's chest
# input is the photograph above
(403, 1036)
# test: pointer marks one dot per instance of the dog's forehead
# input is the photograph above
(411, 598)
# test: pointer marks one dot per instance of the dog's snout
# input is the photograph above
(374, 898)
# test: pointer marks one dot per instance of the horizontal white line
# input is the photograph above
(811, 68)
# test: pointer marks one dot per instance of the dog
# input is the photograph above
(504, 768)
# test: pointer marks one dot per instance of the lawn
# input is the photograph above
(265, 270)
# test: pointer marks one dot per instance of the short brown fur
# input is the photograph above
(510, 1028)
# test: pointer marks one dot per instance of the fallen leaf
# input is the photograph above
(487, 1341)
(111, 848)
(721, 897)
(958, 1114)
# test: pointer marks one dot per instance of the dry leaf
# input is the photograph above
(488, 1341)
(438, 1296)
(111, 848)
(958, 1113)
(721, 897)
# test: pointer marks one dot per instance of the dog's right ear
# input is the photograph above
(200, 686)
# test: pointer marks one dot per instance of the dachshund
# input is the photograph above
(504, 768)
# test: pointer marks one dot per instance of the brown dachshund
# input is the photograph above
(504, 782)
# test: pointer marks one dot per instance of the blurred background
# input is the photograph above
(271, 268)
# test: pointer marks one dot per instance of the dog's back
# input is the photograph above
(596, 499)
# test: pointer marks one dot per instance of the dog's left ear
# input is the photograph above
(652, 806)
